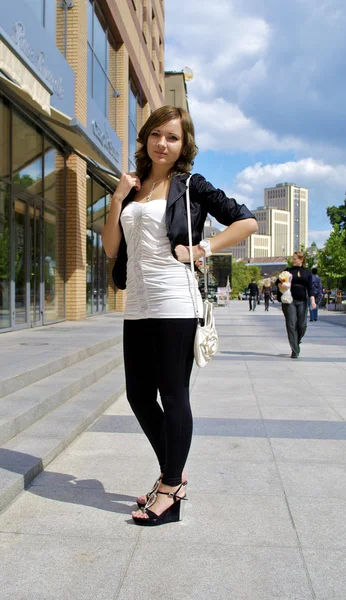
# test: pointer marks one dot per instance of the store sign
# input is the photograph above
(103, 135)
(105, 140)
(23, 33)
(37, 59)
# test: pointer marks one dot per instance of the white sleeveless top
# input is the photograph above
(158, 286)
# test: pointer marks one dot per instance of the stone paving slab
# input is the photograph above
(46, 567)
(28, 355)
(215, 572)
(267, 486)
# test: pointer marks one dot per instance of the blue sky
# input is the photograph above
(268, 95)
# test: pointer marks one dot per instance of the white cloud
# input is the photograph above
(268, 77)
(262, 64)
(306, 173)
(325, 183)
(222, 126)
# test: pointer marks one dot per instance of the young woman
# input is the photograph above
(147, 232)
(296, 312)
(267, 294)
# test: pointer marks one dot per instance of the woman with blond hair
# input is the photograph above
(267, 294)
(147, 233)
(296, 313)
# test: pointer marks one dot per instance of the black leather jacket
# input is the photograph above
(204, 199)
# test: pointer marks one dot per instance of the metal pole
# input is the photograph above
(66, 5)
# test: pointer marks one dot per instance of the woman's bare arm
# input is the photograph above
(235, 233)
(112, 234)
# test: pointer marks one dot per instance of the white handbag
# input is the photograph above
(206, 338)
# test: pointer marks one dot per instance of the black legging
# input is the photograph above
(158, 355)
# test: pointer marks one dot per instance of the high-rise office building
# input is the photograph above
(282, 224)
(275, 223)
(294, 199)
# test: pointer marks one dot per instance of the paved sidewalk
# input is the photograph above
(267, 486)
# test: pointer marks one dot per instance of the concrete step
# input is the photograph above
(22, 408)
(48, 360)
(28, 453)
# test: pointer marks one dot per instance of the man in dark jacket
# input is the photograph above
(317, 293)
(254, 293)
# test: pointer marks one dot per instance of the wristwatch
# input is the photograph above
(205, 245)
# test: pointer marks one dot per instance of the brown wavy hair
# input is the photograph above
(301, 256)
(189, 150)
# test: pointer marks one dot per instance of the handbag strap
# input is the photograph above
(188, 210)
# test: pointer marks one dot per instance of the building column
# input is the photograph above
(76, 238)
(77, 30)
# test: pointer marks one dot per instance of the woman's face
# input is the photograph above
(165, 143)
(296, 262)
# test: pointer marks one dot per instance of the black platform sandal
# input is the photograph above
(172, 514)
(155, 486)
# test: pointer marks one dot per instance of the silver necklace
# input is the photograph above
(155, 183)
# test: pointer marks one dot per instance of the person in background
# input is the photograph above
(296, 312)
(266, 292)
(254, 293)
(317, 291)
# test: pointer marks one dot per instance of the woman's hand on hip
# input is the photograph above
(126, 183)
(183, 253)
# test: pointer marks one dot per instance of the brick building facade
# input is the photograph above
(77, 81)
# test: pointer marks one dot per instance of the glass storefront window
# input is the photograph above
(32, 243)
(54, 174)
(4, 140)
(89, 250)
(54, 263)
(96, 273)
(20, 262)
(27, 155)
(5, 243)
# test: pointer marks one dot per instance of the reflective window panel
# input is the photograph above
(5, 278)
(27, 155)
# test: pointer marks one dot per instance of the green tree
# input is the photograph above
(337, 215)
(242, 275)
(331, 260)
(254, 272)
(25, 180)
(5, 254)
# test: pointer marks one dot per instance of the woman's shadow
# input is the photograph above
(62, 486)
(85, 492)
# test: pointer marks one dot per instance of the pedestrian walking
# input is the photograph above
(296, 312)
(254, 293)
(147, 233)
(317, 291)
(267, 294)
